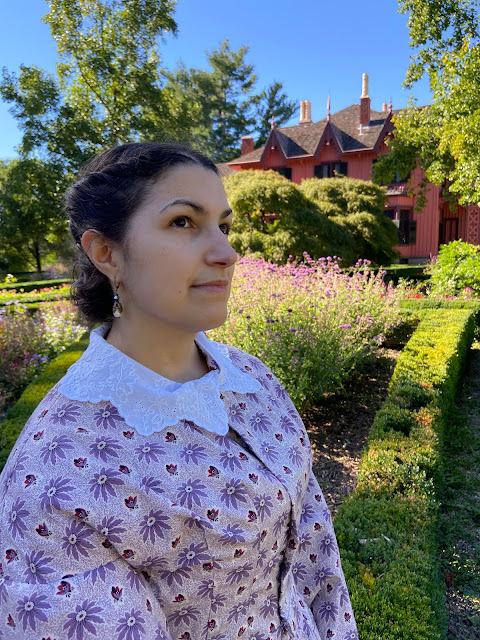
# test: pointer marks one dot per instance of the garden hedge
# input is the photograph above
(36, 284)
(42, 296)
(388, 527)
(17, 415)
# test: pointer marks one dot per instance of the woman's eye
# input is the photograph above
(226, 228)
(183, 222)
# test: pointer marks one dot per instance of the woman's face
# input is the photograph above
(179, 266)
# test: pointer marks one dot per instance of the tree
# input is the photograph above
(32, 217)
(358, 207)
(444, 137)
(296, 223)
(224, 97)
(110, 85)
(227, 106)
(272, 103)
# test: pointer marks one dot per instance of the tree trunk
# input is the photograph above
(38, 260)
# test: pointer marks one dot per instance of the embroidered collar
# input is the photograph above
(146, 400)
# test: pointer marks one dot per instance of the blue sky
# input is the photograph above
(315, 47)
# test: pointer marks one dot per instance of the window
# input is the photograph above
(397, 179)
(331, 169)
(286, 172)
(406, 225)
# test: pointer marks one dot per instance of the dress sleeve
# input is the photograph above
(61, 577)
(106, 602)
(318, 564)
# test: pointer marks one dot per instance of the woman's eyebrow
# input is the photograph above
(194, 205)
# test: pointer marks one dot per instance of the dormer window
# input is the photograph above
(286, 172)
(331, 169)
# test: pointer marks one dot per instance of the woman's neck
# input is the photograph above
(171, 354)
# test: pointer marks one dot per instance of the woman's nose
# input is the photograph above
(220, 250)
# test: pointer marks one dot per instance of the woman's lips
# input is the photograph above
(214, 285)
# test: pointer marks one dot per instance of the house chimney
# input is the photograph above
(364, 102)
(247, 145)
(308, 111)
(305, 112)
(384, 107)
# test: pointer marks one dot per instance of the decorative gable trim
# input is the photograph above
(273, 140)
(328, 134)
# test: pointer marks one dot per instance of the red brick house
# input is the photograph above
(348, 143)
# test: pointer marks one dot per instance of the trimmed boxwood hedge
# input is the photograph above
(17, 416)
(37, 284)
(388, 527)
(44, 296)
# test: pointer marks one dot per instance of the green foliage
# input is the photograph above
(396, 584)
(311, 322)
(358, 207)
(45, 294)
(28, 340)
(272, 103)
(25, 287)
(227, 106)
(32, 218)
(18, 415)
(298, 226)
(456, 270)
(445, 137)
(110, 84)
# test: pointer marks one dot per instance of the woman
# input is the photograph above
(163, 487)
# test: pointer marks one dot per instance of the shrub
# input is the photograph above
(312, 323)
(274, 219)
(358, 207)
(17, 415)
(29, 285)
(388, 527)
(28, 341)
(456, 271)
(45, 294)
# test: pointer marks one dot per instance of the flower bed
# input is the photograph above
(17, 415)
(25, 287)
(28, 341)
(312, 323)
(388, 527)
(45, 294)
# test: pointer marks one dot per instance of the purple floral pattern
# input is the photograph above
(31, 609)
(18, 514)
(154, 525)
(108, 417)
(83, 620)
(181, 534)
(103, 483)
(75, 541)
(39, 567)
(131, 626)
(58, 489)
(56, 449)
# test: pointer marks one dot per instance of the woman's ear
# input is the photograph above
(101, 252)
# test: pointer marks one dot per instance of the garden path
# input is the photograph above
(338, 429)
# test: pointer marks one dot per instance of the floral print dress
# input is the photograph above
(135, 508)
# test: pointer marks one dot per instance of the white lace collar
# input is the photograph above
(146, 400)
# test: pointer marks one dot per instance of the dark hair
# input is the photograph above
(109, 190)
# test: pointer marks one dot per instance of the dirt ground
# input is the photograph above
(338, 429)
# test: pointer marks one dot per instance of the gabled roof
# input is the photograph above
(304, 139)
